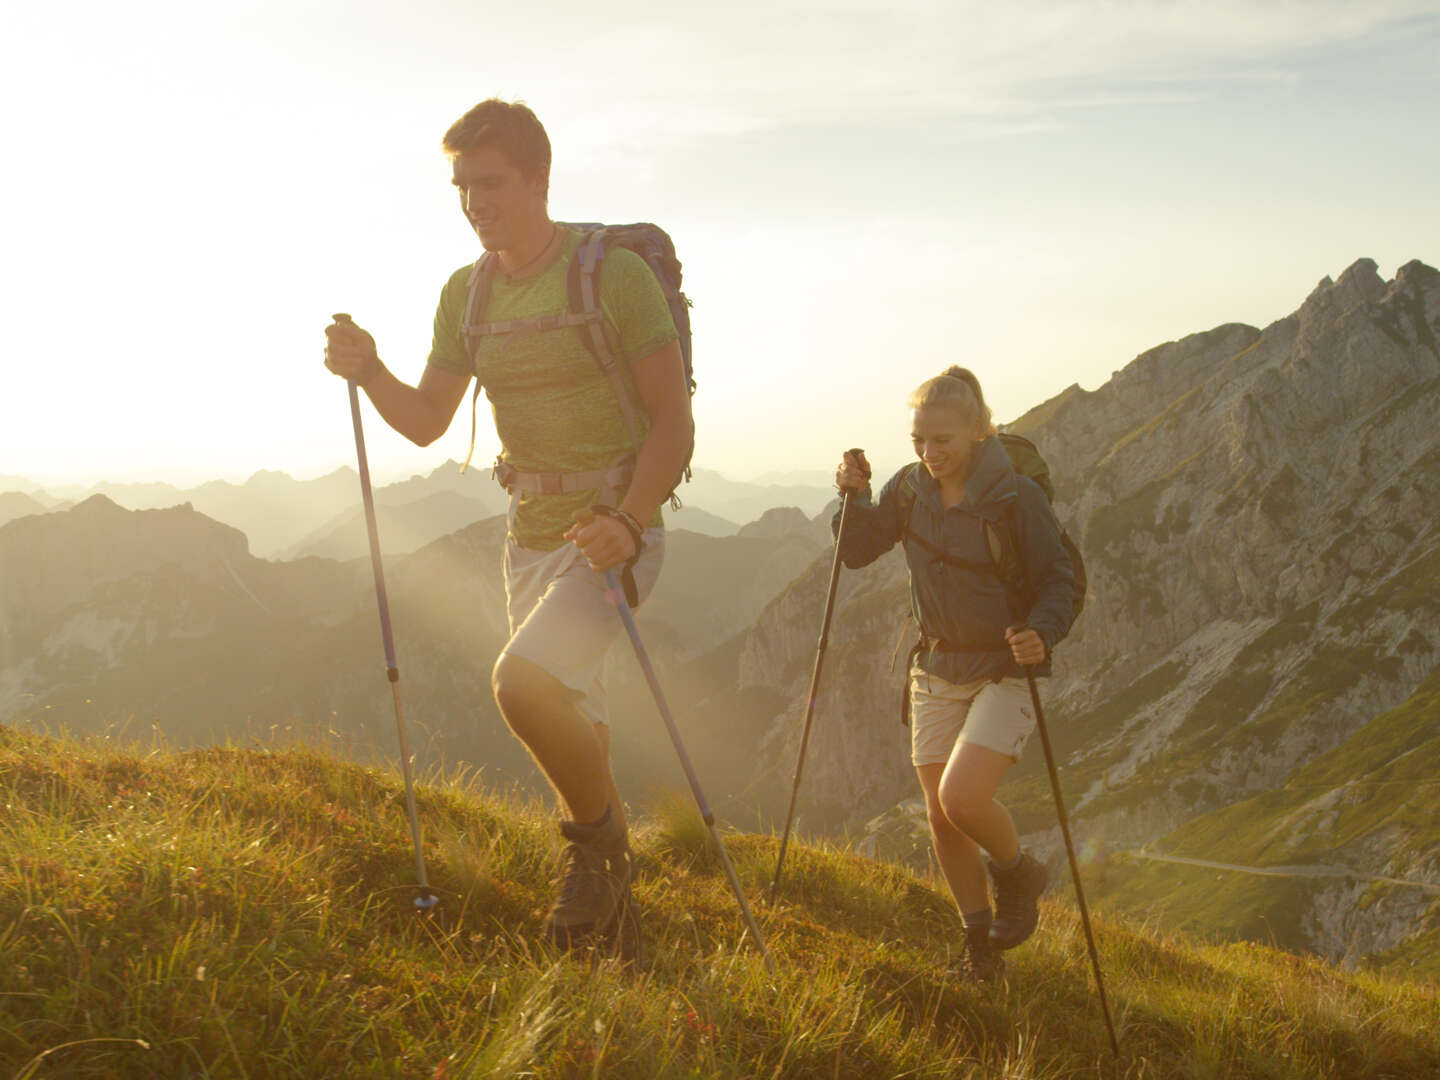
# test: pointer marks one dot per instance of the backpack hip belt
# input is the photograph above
(927, 644)
(615, 478)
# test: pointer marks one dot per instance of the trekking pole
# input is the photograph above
(1070, 851)
(426, 898)
(814, 681)
(617, 597)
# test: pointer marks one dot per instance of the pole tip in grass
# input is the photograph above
(426, 902)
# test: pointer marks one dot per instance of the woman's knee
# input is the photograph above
(942, 829)
(960, 803)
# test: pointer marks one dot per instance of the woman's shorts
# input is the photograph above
(998, 716)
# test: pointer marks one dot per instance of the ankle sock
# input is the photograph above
(598, 823)
(977, 923)
(1009, 864)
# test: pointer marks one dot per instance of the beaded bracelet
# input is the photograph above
(625, 518)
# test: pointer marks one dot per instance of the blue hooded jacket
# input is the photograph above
(962, 605)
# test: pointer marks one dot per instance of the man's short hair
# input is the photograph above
(508, 126)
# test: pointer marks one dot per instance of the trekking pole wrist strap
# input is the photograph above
(627, 573)
(633, 527)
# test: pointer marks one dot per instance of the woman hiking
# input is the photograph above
(960, 512)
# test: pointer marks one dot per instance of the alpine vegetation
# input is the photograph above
(248, 912)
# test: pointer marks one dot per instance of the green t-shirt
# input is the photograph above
(555, 411)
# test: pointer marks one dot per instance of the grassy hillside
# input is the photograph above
(230, 912)
(1369, 805)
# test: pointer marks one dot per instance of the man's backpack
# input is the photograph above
(648, 241)
(1004, 551)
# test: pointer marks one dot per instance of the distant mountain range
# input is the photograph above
(284, 518)
(15, 504)
(161, 620)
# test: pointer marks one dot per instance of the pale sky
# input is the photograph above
(862, 193)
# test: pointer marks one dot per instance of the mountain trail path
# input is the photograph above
(1311, 870)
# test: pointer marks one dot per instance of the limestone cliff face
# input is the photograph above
(1256, 509)
(1239, 475)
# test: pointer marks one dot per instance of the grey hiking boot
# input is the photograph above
(1016, 893)
(594, 883)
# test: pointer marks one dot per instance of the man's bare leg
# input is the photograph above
(571, 751)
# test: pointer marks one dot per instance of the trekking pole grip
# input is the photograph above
(858, 453)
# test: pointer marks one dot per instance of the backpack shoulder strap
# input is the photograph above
(1005, 550)
(583, 283)
(906, 492)
(482, 277)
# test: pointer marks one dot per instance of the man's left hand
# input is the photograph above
(1027, 646)
(604, 541)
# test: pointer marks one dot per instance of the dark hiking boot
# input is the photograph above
(1016, 893)
(594, 883)
(982, 962)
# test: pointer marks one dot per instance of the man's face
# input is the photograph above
(501, 205)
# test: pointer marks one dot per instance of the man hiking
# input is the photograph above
(970, 713)
(587, 471)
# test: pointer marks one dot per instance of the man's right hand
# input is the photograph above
(853, 472)
(350, 351)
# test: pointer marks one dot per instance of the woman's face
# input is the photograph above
(944, 440)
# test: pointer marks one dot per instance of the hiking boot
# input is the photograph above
(1016, 893)
(982, 963)
(594, 882)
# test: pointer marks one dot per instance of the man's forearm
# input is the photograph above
(405, 408)
(658, 465)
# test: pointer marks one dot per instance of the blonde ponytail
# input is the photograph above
(956, 387)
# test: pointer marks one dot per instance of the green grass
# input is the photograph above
(1388, 777)
(246, 913)
(1379, 787)
(1277, 498)
(1027, 789)
(1413, 588)
(1111, 527)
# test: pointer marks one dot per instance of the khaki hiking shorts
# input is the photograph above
(998, 716)
(561, 618)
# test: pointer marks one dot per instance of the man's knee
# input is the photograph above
(522, 690)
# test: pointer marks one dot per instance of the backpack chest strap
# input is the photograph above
(558, 321)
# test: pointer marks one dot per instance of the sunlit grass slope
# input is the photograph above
(1371, 801)
(248, 913)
